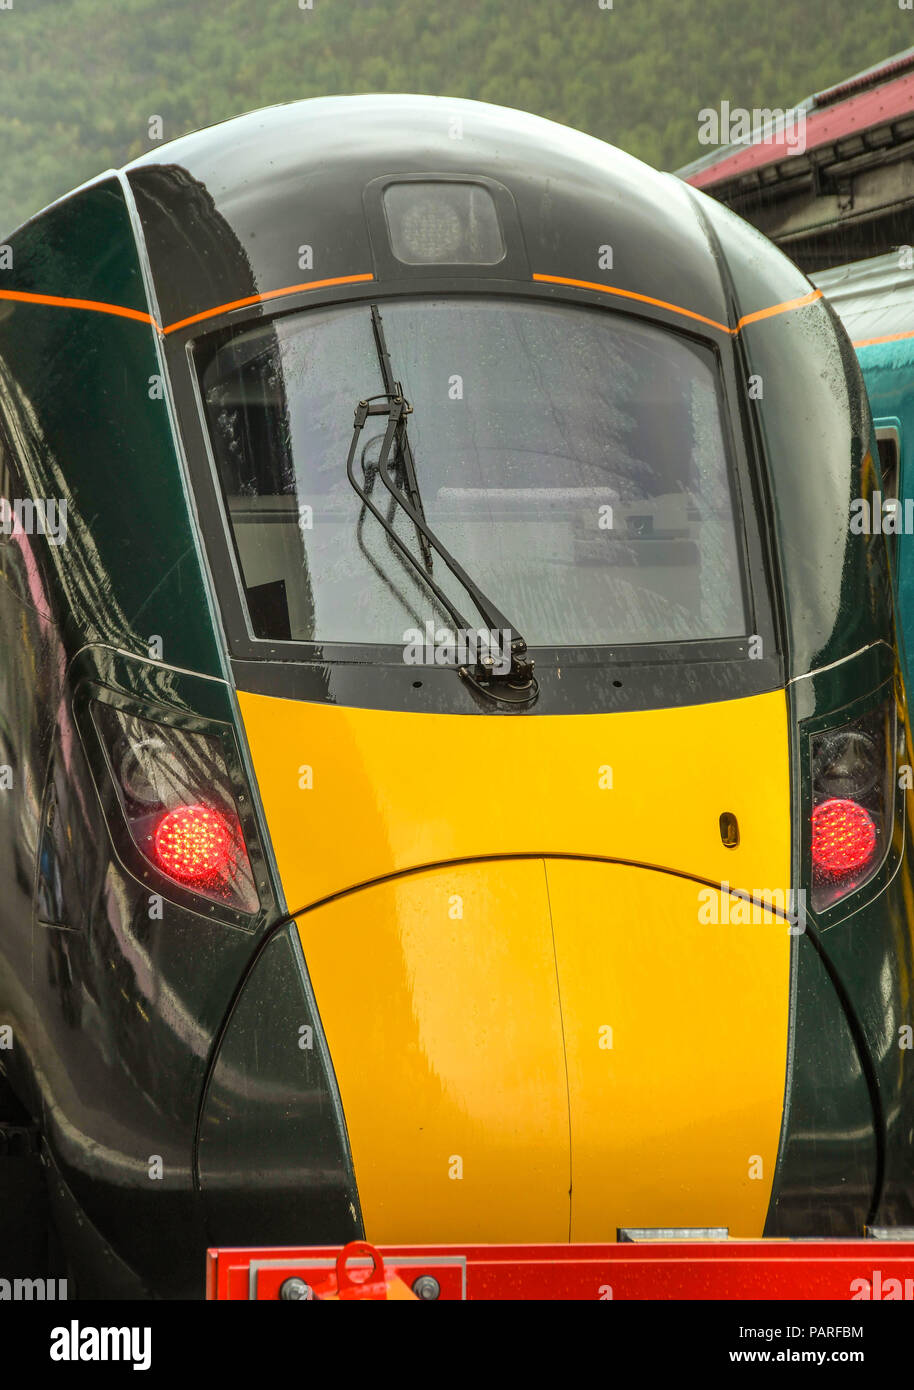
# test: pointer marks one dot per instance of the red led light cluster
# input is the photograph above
(193, 844)
(843, 837)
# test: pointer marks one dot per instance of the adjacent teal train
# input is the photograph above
(875, 300)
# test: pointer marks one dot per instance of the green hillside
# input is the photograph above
(79, 79)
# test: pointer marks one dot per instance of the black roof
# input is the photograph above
(226, 210)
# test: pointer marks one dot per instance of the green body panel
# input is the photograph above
(875, 301)
(848, 1132)
(888, 370)
(808, 403)
(827, 1163)
(101, 438)
(80, 248)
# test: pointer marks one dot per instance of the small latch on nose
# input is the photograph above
(729, 830)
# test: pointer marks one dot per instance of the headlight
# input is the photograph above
(443, 223)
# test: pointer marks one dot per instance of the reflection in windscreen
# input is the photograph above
(571, 459)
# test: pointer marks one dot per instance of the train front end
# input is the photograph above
(514, 650)
(560, 831)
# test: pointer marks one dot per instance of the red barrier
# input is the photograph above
(709, 1269)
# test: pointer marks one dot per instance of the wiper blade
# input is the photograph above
(517, 685)
(393, 388)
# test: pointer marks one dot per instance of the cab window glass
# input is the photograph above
(572, 460)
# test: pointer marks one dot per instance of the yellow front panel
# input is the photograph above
(383, 791)
(438, 996)
(676, 1042)
(446, 1033)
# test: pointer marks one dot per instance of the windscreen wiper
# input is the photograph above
(404, 452)
(517, 685)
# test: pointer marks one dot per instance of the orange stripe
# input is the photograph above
(889, 338)
(271, 294)
(780, 308)
(630, 294)
(93, 304)
(678, 309)
(139, 316)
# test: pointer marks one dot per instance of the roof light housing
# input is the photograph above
(443, 222)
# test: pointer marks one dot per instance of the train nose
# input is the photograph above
(438, 994)
(674, 1011)
(545, 1049)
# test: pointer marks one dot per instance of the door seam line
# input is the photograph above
(558, 990)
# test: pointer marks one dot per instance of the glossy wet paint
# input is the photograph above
(138, 1038)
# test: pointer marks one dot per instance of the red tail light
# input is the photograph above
(853, 783)
(178, 799)
(194, 844)
(843, 837)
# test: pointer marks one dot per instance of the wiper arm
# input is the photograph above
(515, 686)
(393, 389)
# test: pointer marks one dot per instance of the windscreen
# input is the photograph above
(571, 459)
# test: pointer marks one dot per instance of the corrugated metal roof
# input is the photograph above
(869, 77)
(872, 98)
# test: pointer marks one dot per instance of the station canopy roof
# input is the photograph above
(846, 190)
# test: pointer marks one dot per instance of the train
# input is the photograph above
(454, 750)
(873, 298)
